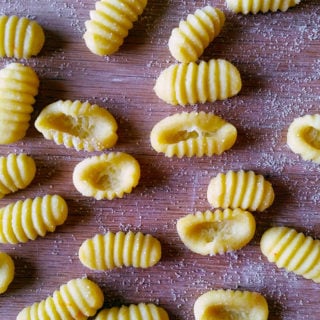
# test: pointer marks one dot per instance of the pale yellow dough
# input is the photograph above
(6, 271)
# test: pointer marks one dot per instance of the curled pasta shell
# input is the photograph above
(192, 134)
(78, 125)
(191, 83)
(6, 271)
(77, 299)
(26, 220)
(20, 37)
(103, 252)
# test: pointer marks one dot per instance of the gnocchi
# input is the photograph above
(20, 37)
(18, 87)
(192, 134)
(188, 41)
(78, 125)
(77, 299)
(191, 83)
(292, 251)
(231, 304)
(110, 23)
(6, 271)
(103, 252)
(209, 233)
(26, 220)
(106, 176)
(16, 172)
(240, 189)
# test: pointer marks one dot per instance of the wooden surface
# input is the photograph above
(278, 55)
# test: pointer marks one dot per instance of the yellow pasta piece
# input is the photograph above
(16, 172)
(293, 251)
(103, 252)
(77, 299)
(192, 134)
(191, 83)
(110, 23)
(78, 125)
(26, 220)
(18, 87)
(106, 176)
(231, 304)
(20, 37)
(255, 6)
(303, 137)
(209, 233)
(6, 271)
(240, 189)
(187, 43)
(145, 311)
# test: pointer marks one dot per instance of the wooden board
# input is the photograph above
(278, 55)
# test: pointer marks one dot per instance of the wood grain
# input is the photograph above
(278, 55)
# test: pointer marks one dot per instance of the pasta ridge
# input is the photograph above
(7, 269)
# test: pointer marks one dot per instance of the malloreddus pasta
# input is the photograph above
(77, 299)
(18, 88)
(6, 271)
(110, 250)
(192, 134)
(188, 41)
(191, 83)
(110, 23)
(78, 125)
(20, 37)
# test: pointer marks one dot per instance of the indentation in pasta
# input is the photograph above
(26, 220)
(106, 176)
(293, 251)
(77, 299)
(240, 189)
(78, 125)
(103, 252)
(191, 83)
(6, 271)
(192, 134)
(188, 41)
(110, 23)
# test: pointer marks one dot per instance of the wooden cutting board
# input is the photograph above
(278, 56)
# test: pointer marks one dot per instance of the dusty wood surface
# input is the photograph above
(278, 55)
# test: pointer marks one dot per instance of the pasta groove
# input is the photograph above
(191, 83)
(26, 220)
(110, 23)
(18, 87)
(188, 41)
(77, 299)
(240, 189)
(6, 271)
(103, 252)
(293, 251)
(78, 125)
(20, 37)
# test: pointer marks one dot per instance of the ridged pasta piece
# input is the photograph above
(77, 299)
(210, 233)
(292, 251)
(18, 87)
(145, 311)
(188, 41)
(303, 137)
(26, 220)
(240, 189)
(110, 23)
(192, 134)
(106, 176)
(231, 304)
(110, 250)
(16, 172)
(6, 271)
(191, 83)
(78, 125)
(20, 37)
(255, 6)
